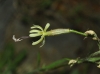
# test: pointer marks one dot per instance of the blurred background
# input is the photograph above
(16, 18)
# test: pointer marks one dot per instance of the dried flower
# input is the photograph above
(98, 66)
(19, 39)
(92, 33)
(72, 62)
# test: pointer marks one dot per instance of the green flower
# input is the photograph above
(37, 30)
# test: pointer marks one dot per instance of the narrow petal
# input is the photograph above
(31, 31)
(37, 42)
(37, 26)
(43, 42)
(34, 35)
(47, 26)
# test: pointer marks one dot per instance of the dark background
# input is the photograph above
(17, 16)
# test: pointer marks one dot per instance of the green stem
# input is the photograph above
(77, 32)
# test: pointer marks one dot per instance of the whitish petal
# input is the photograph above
(47, 26)
(34, 35)
(37, 26)
(43, 42)
(31, 31)
(37, 42)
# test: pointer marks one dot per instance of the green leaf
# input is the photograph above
(95, 53)
(94, 59)
(57, 64)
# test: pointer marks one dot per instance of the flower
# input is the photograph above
(37, 30)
